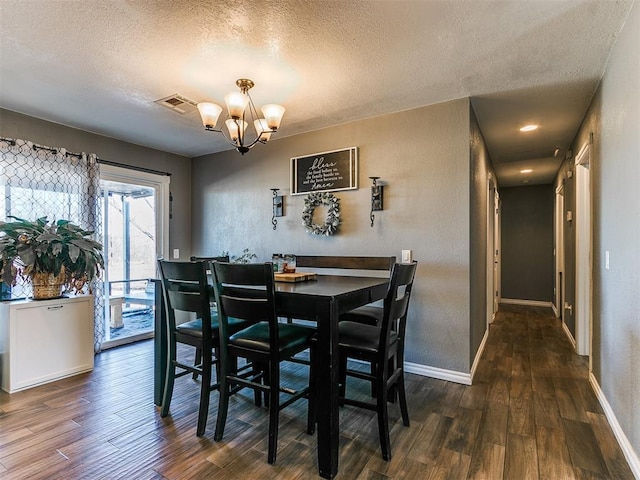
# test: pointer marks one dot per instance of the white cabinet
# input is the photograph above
(45, 340)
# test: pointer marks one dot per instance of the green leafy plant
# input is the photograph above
(40, 249)
(246, 257)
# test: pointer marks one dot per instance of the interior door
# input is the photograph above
(496, 251)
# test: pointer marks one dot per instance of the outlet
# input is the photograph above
(407, 256)
(176, 253)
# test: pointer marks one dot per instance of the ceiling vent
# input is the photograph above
(178, 104)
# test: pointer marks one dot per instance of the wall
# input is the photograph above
(614, 121)
(616, 212)
(16, 125)
(527, 242)
(421, 155)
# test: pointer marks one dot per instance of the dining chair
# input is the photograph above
(186, 289)
(247, 292)
(383, 347)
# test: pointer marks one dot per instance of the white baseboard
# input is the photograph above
(476, 360)
(530, 303)
(449, 375)
(569, 335)
(555, 310)
(627, 449)
(439, 373)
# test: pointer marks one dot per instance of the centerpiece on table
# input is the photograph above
(56, 256)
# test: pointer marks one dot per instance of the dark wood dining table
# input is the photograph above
(322, 300)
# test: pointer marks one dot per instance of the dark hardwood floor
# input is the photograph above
(530, 414)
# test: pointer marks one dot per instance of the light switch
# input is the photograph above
(606, 259)
(176, 253)
(407, 256)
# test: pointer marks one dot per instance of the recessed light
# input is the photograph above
(526, 170)
(529, 128)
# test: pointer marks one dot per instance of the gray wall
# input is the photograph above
(16, 125)
(614, 120)
(616, 200)
(423, 158)
(527, 242)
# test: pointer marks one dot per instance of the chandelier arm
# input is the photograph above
(252, 109)
(227, 138)
(236, 144)
(252, 144)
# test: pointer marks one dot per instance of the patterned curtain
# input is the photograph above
(38, 181)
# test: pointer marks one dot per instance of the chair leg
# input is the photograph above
(197, 361)
(274, 410)
(169, 380)
(205, 393)
(383, 418)
(223, 406)
(266, 380)
(402, 397)
(257, 394)
(311, 412)
(374, 391)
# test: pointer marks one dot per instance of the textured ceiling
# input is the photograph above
(99, 65)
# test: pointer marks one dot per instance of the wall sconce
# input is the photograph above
(376, 198)
(278, 207)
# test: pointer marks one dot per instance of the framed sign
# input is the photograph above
(325, 171)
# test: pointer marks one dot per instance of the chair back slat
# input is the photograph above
(246, 292)
(184, 300)
(247, 308)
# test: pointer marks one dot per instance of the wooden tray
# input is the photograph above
(293, 277)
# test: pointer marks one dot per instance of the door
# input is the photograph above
(134, 237)
(497, 252)
(583, 251)
(559, 252)
(493, 250)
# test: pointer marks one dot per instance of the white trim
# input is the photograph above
(439, 373)
(623, 441)
(555, 310)
(530, 303)
(569, 335)
(583, 251)
(479, 353)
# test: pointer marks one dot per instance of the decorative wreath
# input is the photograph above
(333, 214)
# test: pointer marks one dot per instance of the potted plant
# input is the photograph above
(52, 255)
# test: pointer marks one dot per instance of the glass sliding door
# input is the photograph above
(133, 236)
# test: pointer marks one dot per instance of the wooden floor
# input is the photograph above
(530, 414)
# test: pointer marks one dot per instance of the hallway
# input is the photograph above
(531, 382)
(531, 414)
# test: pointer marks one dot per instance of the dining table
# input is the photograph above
(322, 299)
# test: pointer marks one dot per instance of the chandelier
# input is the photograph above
(240, 109)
